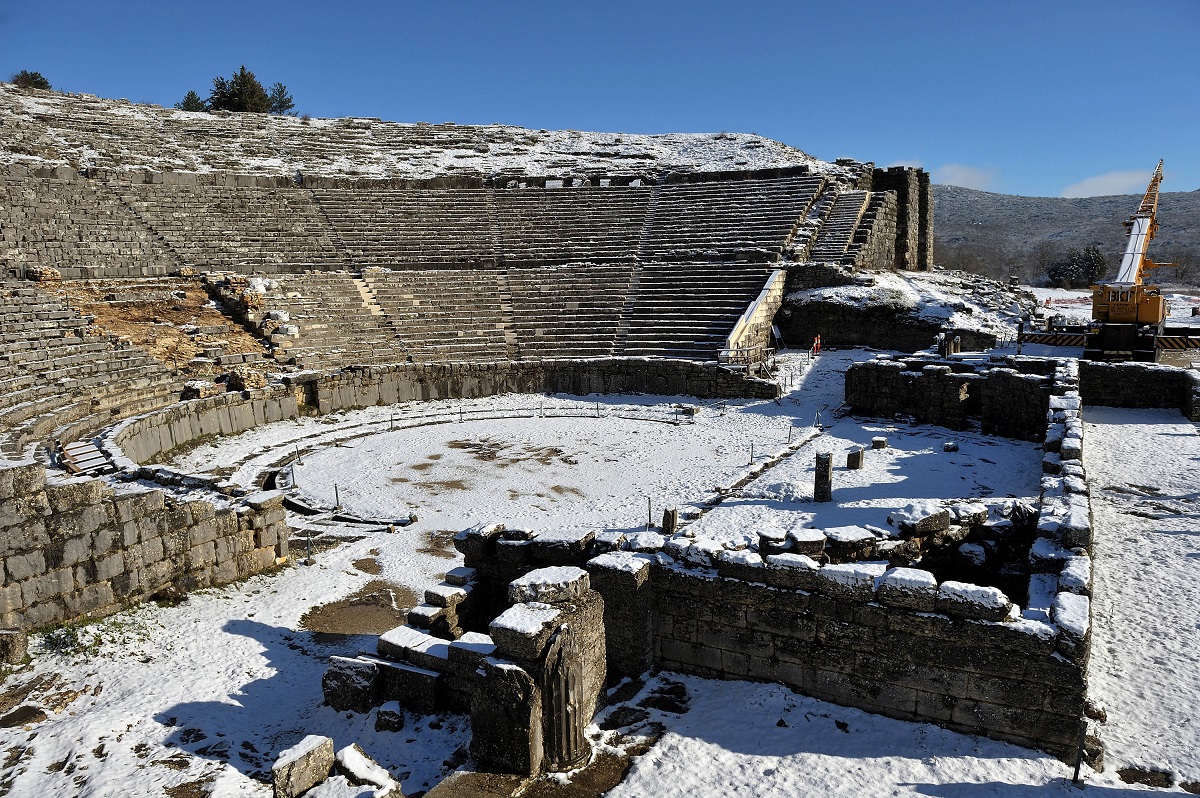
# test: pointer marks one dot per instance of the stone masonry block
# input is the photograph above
(303, 766)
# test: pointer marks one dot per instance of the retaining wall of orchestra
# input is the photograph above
(79, 548)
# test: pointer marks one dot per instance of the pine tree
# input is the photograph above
(242, 92)
(191, 102)
(30, 80)
(1094, 264)
(280, 101)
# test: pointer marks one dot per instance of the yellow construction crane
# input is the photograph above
(1128, 314)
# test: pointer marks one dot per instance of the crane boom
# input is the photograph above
(1142, 227)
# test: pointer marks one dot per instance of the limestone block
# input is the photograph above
(908, 588)
(523, 630)
(1076, 575)
(19, 567)
(506, 720)
(854, 581)
(744, 565)
(349, 684)
(561, 547)
(11, 598)
(89, 600)
(110, 566)
(446, 595)
(850, 543)
(14, 647)
(920, 518)
(972, 601)
(204, 531)
(73, 494)
(551, 585)
(360, 770)
(390, 717)
(805, 540)
(47, 586)
(470, 649)
(792, 571)
(303, 766)
(417, 689)
(200, 557)
(25, 534)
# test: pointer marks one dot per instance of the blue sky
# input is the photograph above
(1035, 98)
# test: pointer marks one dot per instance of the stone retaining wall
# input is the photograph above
(79, 548)
(146, 437)
(843, 643)
(1140, 385)
(1007, 401)
(365, 386)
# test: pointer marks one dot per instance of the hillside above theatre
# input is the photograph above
(42, 128)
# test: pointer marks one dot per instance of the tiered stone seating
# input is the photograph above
(838, 231)
(382, 227)
(58, 379)
(445, 314)
(243, 229)
(687, 309)
(726, 220)
(339, 324)
(570, 224)
(570, 311)
(76, 226)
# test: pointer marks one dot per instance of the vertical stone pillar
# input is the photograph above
(854, 458)
(670, 521)
(823, 485)
(546, 680)
(623, 580)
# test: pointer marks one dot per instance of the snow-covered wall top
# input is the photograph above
(39, 128)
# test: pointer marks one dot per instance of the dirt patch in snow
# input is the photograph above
(439, 543)
(374, 609)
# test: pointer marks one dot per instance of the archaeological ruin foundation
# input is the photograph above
(326, 288)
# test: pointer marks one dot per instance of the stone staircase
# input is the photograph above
(838, 231)
(338, 324)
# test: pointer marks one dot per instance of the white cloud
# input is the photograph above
(914, 162)
(958, 174)
(1133, 182)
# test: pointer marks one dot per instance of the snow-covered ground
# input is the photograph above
(959, 300)
(128, 136)
(207, 692)
(1145, 664)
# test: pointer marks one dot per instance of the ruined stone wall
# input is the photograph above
(846, 644)
(1006, 402)
(79, 548)
(144, 438)
(382, 385)
(1140, 385)
(914, 214)
(925, 223)
(875, 239)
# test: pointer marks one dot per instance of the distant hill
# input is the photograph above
(999, 233)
